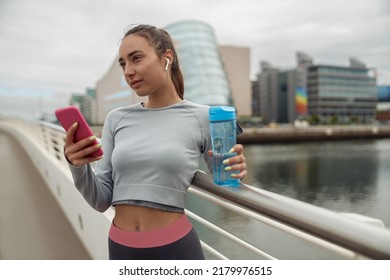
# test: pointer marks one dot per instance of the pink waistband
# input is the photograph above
(152, 238)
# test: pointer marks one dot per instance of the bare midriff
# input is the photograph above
(138, 218)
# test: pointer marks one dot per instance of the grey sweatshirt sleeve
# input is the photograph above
(96, 186)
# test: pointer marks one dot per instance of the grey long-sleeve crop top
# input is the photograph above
(149, 155)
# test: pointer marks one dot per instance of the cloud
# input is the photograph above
(66, 46)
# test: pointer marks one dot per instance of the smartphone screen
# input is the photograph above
(67, 116)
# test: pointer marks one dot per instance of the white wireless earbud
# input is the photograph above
(166, 66)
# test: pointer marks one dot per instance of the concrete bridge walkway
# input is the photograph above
(32, 224)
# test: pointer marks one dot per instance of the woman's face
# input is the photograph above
(142, 68)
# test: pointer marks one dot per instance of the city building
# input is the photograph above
(87, 104)
(267, 84)
(255, 99)
(213, 75)
(383, 107)
(201, 63)
(383, 94)
(326, 93)
(236, 62)
(342, 92)
(290, 99)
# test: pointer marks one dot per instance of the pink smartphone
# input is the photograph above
(67, 116)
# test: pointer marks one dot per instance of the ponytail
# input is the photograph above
(177, 76)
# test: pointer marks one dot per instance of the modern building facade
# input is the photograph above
(383, 93)
(205, 68)
(287, 97)
(87, 104)
(327, 92)
(345, 92)
(383, 107)
(201, 63)
(267, 100)
(236, 62)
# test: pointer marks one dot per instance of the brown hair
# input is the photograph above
(161, 41)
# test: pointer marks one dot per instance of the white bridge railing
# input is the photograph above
(277, 226)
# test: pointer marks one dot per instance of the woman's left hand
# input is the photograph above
(237, 162)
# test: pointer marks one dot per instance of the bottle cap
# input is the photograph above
(222, 113)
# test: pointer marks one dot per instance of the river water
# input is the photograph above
(343, 176)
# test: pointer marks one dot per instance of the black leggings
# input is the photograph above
(186, 248)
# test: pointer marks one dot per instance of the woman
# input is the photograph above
(151, 153)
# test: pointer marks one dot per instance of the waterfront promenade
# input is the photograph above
(289, 133)
(284, 134)
(32, 224)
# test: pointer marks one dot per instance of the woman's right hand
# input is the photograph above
(78, 153)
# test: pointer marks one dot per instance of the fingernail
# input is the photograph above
(75, 124)
(92, 138)
(226, 161)
(228, 168)
(233, 175)
(231, 151)
(99, 145)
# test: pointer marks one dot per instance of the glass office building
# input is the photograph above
(205, 79)
(342, 91)
(330, 93)
(383, 93)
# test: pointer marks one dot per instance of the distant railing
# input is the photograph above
(309, 225)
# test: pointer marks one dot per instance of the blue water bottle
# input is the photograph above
(223, 138)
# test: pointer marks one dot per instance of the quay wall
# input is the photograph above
(282, 134)
(313, 133)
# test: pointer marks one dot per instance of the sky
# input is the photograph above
(50, 49)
